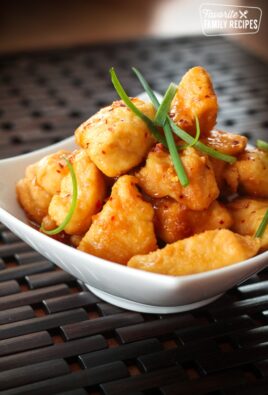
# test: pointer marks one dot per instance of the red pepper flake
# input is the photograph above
(221, 222)
(112, 218)
(103, 152)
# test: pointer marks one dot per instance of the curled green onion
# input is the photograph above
(122, 94)
(163, 109)
(178, 165)
(181, 133)
(70, 213)
(197, 135)
(263, 145)
(261, 229)
(202, 147)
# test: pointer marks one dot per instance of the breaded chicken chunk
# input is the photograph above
(195, 96)
(42, 180)
(252, 169)
(216, 216)
(173, 221)
(158, 178)
(202, 252)
(91, 193)
(116, 139)
(227, 176)
(124, 227)
(247, 215)
(227, 143)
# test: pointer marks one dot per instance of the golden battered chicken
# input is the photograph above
(227, 176)
(195, 96)
(247, 214)
(206, 251)
(124, 227)
(91, 193)
(173, 221)
(42, 180)
(227, 143)
(216, 216)
(159, 179)
(252, 167)
(116, 139)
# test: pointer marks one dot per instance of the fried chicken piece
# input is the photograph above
(216, 216)
(159, 179)
(247, 215)
(124, 227)
(41, 181)
(173, 221)
(116, 139)
(227, 143)
(195, 96)
(252, 167)
(202, 252)
(91, 193)
(227, 176)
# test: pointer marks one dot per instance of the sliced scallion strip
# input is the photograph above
(175, 157)
(168, 133)
(163, 109)
(261, 229)
(146, 87)
(122, 94)
(181, 133)
(69, 215)
(263, 145)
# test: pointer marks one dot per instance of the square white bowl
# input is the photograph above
(118, 284)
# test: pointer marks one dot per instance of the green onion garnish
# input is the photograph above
(163, 109)
(175, 157)
(168, 132)
(146, 87)
(181, 133)
(262, 226)
(168, 141)
(69, 215)
(197, 135)
(263, 145)
(122, 94)
(202, 147)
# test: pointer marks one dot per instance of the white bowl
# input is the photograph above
(123, 286)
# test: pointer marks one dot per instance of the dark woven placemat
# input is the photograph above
(55, 336)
